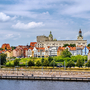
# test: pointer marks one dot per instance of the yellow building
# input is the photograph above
(9, 53)
(59, 51)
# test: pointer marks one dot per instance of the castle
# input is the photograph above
(44, 41)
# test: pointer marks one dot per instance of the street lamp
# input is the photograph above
(41, 57)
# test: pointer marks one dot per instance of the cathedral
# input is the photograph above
(44, 41)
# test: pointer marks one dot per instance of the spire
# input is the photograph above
(80, 33)
(80, 37)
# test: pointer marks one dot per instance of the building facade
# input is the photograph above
(43, 41)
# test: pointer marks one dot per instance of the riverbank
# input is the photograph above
(45, 75)
(45, 78)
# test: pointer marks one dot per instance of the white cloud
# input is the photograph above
(86, 34)
(20, 25)
(4, 17)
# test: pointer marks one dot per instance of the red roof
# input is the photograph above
(43, 49)
(32, 44)
(61, 48)
(31, 48)
(72, 48)
(88, 48)
(0, 51)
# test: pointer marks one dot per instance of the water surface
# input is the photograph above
(42, 85)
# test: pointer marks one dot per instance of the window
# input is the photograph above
(79, 43)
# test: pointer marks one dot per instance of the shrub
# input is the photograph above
(16, 62)
(53, 63)
(70, 64)
(46, 62)
(30, 63)
(88, 63)
(50, 59)
(79, 63)
(38, 63)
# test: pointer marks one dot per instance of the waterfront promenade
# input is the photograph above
(45, 75)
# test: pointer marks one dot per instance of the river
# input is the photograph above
(42, 85)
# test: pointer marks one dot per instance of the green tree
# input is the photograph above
(70, 64)
(42, 60)
(1, 48)
(65, 45)
(46, 62)
(13, 47)
(30, 63)
(88, 45)
(88, 63)
(73, 45)
(65, 53)
(50, 59)
(79, 63)
(38, 63)
(16, 62)
(3, 58)
(53, 63)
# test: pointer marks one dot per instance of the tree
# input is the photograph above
(16, 62)
(66, 53)
(50, 59)
(46, 62)
(38, 63)
(88, 63)
(88, 45)
(70, 64)
(79, 63)
(13, 47)
(72, 45)
(3, 58)
(30, 63)
(53, 63)
(1, 48)
(42, 60)
(66, 45)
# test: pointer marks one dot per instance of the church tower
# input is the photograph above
(80, 37)
(50, 36)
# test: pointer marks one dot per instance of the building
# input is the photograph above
(44, 41)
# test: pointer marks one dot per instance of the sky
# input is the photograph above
(22, 20)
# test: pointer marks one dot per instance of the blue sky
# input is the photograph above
(22, 20)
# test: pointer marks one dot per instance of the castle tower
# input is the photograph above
(50, 36)
(80, 37)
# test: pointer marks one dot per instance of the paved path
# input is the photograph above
(46, 73)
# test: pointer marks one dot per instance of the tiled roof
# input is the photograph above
(88, 48)
(43, 49)
(31, 48)
(0, 51)
(61, 48)
(72, 48)
(48, 46)
(32, 44)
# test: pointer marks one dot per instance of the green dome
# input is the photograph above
(50, 35)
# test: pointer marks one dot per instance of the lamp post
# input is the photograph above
(64, 65)
(41, 57)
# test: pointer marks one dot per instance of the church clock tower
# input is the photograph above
(80, 37)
